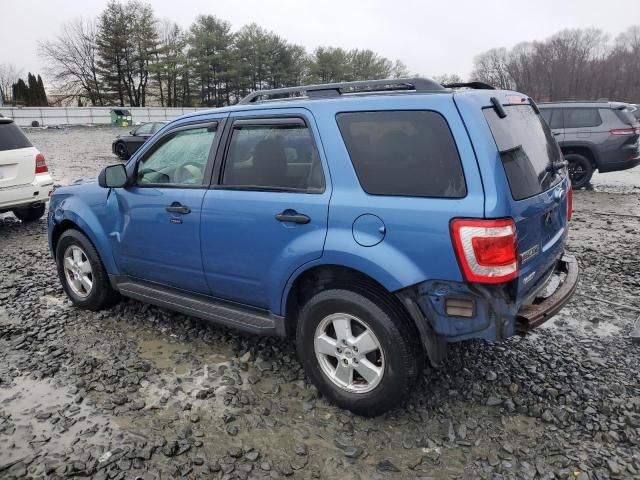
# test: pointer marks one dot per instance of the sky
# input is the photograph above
(430, 37)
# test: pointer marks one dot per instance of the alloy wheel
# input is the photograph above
(349, 353)
(78, 271)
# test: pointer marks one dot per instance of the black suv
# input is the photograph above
(599, 136)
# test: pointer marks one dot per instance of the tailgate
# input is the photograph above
(539, 190)
(17, 167)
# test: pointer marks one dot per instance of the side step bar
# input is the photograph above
(208, 308)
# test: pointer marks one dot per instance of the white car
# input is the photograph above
(25, 181)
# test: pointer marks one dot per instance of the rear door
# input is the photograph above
(17, 156)
(537, 198)
(581, 122)
(267, 215)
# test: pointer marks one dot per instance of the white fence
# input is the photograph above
(48, 116)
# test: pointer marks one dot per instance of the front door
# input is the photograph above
(158, 238)
(268, 214)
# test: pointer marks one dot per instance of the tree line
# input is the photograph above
(14, 90)
(575, 64)
(127, 56)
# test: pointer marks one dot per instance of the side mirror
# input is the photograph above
(113, 176)
(132, 132)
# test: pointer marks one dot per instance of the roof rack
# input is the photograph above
(474, 85)
(330, 90)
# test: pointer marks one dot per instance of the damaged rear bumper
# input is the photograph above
(543, 308)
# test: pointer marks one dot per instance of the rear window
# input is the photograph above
(626, 116)
(11, 137)
(526, 147)
(581, 117)
(403, 153)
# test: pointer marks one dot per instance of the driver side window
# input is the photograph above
(179, 160)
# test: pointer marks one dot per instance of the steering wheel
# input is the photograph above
(190, 172)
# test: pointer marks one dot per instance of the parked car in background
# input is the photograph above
(593, 136)
(25, 181)
(372, 223)
(126, 145)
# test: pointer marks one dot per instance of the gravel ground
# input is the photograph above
(140, 392)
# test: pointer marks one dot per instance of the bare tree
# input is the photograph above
(491, 67)
(72, 60)
(9, 75)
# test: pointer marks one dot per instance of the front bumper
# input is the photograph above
(542, 309)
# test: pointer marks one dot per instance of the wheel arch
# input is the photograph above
(322, 276)
(72, 220)
(583, 148)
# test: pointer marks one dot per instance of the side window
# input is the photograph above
(144, 129)
(273, 156)
(581, 117)
(179, 159)
(546, 114)
(406, 153)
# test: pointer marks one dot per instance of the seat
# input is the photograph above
(270, 164)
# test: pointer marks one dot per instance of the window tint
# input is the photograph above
(144, 129)
(407, 153)
(276, 156)
(581, 117)
(11, 137)
(552, 116)
(156, 127)
(179, 160)
(526, 147)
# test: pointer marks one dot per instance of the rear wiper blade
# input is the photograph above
(555, 166)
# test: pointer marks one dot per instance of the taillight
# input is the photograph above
(41, 164)
(623, 131)
(569, 202)
(486, 249)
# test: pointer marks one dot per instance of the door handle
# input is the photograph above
(557, 134)
(293, 217)
(177, 208)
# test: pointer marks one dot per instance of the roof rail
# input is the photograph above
(474, 85)
(329, 90)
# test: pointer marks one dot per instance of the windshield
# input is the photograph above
(527, 149)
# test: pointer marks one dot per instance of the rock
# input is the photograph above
(491, 376)
(386, 466)
(252, 456)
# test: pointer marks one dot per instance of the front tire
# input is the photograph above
(580, 170)
(121, 151)
(30, 214)
(81, 272)
(358, 349)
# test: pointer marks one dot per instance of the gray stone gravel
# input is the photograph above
(140, 392)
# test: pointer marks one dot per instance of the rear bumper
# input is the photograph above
(542, 309)
(492, 314)
(35, 192)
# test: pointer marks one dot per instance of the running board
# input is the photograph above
(207, 308)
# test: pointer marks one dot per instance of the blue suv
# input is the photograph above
(372, 223)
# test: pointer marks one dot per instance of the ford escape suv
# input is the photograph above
(372, 223)
(594, 136)
(25, 181)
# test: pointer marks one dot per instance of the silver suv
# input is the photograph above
(593, 136)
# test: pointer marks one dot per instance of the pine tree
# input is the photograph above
(42, 97)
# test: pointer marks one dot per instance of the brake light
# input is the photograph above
(486, 249)
(569, 202)
(623, 131)
(41, 164)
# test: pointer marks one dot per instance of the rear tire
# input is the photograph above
(82, 274)
(580, 170)
(121, 151)
(368, 380)
(30, 214)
